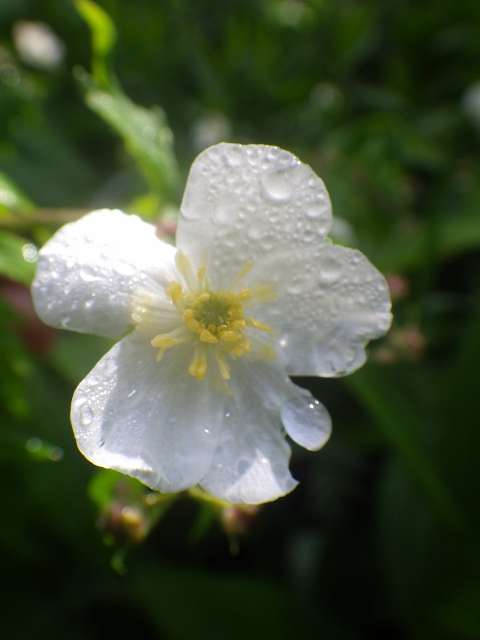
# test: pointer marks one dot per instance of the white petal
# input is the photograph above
(148, 419)
(251, 462)
(243, 201)
(304, 418)
(332, 301)
(89, 270)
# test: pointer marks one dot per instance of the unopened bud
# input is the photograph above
(409, 341)
(237, 519)
(399, 286)
(123, 523)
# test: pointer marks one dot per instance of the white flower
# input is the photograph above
(197, 392)
(38, 45)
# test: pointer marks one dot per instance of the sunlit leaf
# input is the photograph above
(13, 251)
(401, 425)
(145, 133)
(11, 198)
(103, 34)
(107, 485)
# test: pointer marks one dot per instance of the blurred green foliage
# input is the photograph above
(381, 537)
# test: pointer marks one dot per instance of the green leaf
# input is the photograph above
(11, 198)
(407, 250)
(74, 355)
(145, 133)
(400, 423)
(104, 36)
(12, 261)
(186, 604)
(105, 484)
(460, 616)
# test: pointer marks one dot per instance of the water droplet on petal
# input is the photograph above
(306, 421)
(87, 276)
(277, 186)
(86, 415)
(330, 271)
(315, 211)
(125, 269)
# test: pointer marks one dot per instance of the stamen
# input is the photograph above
(230, 336)
(266, 352)
(175, 292)
(207, 336)
(213, 321)
(223, 366)
(201, 277)
(256, 324)
(164, 342)
(244, 294)
(245, 270)
(263, 293)
(198, 365)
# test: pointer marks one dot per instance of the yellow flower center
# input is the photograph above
(214, 321)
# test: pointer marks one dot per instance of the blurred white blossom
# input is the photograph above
(198, 391)
(38, 45)
(471, 103)
(210, 129)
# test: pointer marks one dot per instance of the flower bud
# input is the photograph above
(238, 519)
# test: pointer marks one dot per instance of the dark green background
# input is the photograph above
(381, 537)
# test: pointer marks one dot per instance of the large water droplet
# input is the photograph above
(330, 271)
(87, 276)
(306, 421)
(277, 186)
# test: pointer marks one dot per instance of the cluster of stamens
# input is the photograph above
(214, 321)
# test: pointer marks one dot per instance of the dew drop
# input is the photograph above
(329, 272)
(316, 211)
(132, 393)
(125, 269)
(29, 252)
(233, 156)
(86, 415)
(206, 431)
(87, 276)
(255, 231)
(277, 186)
(306, 421)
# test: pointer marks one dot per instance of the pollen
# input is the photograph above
(214, 322)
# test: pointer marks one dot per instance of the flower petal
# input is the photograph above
(251, 462)
(148, 419)
(89, 270)
(242, 201)
(332, 301)
(304, 418)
